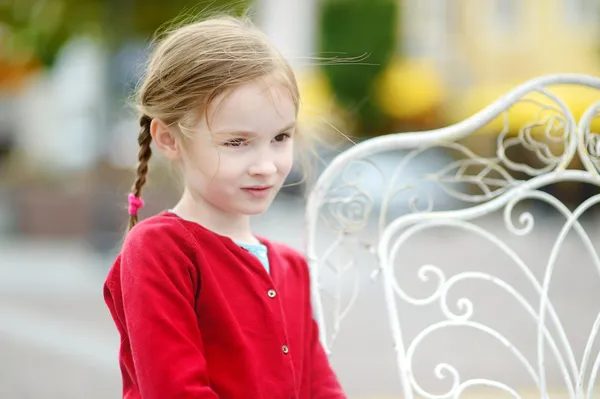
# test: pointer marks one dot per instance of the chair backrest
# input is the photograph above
(481, 228)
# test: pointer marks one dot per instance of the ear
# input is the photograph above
(164, 139)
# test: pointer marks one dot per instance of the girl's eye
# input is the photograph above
(235, 142)
(282, 137)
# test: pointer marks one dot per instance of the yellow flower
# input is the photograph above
(319, 109)
(409, 88)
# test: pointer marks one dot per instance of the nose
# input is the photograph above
(263, 166)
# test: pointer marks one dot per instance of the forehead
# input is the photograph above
(261, 106)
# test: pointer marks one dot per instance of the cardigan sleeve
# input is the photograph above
(159, 282)
(324, 383)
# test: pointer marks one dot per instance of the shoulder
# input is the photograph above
(159, 255)
(290, 259)
(156, 248)
(158, 242)
(158, 232)
(287, 252)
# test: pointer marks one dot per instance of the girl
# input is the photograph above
(206, 309)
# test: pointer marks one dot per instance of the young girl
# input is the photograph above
(205, 308)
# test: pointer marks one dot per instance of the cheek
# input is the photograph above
(287, 161)
(202, 163)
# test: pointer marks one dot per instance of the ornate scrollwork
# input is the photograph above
(483, 183)
(589, 140)
(559, 344)
(347, 206)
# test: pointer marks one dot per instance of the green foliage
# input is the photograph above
(357, 28)
(152, 15)
(39, 28)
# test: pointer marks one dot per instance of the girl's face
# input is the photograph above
(240, 162)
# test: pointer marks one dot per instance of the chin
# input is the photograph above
(253, 211)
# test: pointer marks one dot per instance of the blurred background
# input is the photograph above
(68, 146)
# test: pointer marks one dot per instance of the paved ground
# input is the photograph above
(57, 341)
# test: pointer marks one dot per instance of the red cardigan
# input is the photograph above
(200, 317)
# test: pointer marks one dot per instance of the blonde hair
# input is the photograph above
(192, 65)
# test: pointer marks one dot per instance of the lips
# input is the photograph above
(258, 191)
(257, 188)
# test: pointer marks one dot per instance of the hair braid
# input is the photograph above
(144, 154)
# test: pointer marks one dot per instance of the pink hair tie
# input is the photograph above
(135, 203)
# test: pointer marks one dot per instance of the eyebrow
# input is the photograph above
(245, 132)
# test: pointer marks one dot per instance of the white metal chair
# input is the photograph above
(373, 199)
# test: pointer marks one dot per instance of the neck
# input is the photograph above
(196, 209)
